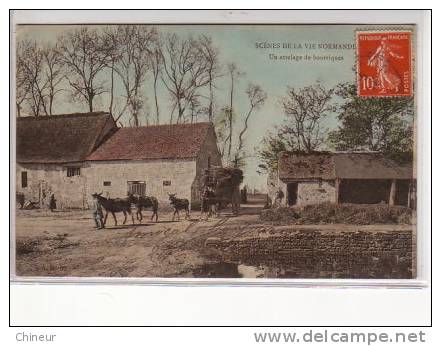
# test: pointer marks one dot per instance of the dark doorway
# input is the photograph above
(292, 193)
(402, 194)
(364, 191)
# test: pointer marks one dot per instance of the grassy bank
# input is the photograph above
(357, 214)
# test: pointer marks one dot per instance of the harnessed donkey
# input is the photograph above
(114, 205)
(144, 202)
(179, 204)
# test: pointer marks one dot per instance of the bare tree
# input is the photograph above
(54, 74)
(305, 108)
(110, 41)
(221, 128)
(211, 55)
(31, 64)
(39, 74)
(234, 74)
(256, 99)
(156, 68)
(184, 72)
(195, 109)
(21, 81)
(85, 56)
(134, 46)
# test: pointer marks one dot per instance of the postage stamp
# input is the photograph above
(384, 63)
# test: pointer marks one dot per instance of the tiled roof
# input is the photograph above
(355, 165)
(154, 142)
(61, 138)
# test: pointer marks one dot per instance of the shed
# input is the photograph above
(344, 177)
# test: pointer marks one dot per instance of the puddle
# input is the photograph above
(217, 270)
(340, 267)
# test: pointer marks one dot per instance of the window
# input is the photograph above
(73, 171)
(166, 183)
(136, 187)
(107, 183)
(24, 179)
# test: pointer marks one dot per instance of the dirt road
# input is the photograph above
(67, 244)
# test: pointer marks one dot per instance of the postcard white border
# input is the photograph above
(422, 90)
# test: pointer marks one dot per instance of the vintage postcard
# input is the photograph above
(215, 151)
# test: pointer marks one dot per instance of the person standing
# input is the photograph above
(279, 197)
(52, 203)
(97, 213)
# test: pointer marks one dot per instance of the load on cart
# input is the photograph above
(220, 187)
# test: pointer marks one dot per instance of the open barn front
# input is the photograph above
(344, 177)
(364, 191)
(372, 191)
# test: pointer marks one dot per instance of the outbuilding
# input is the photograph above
(342, 177)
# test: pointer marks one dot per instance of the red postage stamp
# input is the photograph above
(384, 63)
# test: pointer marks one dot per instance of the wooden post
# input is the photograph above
(337, 190)
(412, 194)
(393, 191)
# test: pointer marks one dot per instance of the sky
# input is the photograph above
(250, 47)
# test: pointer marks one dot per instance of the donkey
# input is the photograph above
(179, 204)
(209, 203)
(144, 202)
(114, 205)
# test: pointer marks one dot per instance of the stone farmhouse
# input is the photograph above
(75, 155)
(345, 177)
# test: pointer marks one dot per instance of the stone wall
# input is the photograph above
(45, 179)
(327, 253)
(315, 192)
(308, 192)
(161, 177)
(75, 192)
